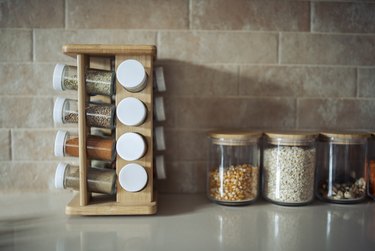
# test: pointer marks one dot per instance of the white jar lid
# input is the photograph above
(160, 167)
(133, 177)
(132, 75)
(60, 142)
(59, 175)
(58, 76)
(131, 111)
(159, 138)
(58, 110)
(159, 79)
(131, 146)
(159, 109)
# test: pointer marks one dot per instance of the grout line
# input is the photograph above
(357, 82)
(33, 46)
(312, 8)
(296, 122)
(10, 145)
(65, 14)
(190, 14)
(279, 49)
(238, 79)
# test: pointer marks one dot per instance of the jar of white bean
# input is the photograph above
(341, 167)
(233, 171)
(289, 167)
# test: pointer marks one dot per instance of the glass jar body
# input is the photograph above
(371, 167)
(233, 171)
(341, 171)
(289, 172)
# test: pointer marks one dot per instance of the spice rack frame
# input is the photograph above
(143, 202)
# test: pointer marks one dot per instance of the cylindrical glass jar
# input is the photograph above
(98, 148)
(131, 111)
(289, 167)
(371, 165)
(65, 111)
(341, 167)
(98, 180)
(98, 82)
(131, 146)
(233, 171)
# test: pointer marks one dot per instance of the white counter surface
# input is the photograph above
(186, 222)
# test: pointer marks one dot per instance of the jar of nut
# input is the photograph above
(233, 171)
(289, 167)
(341, 167)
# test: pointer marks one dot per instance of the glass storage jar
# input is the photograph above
(341, 167)
(233, 171)
(65, 111)
(289, 167)
(98, 82)
(98, 147)
(371, 165)
(98, 180)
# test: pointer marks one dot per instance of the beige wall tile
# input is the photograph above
(26, 112)
(182, 145)
(26, 79)
(184, 177)
(305, 48)
(49, 42)
(366, 82)
(297, 81)
(234, 112)
(32, 14)
(33, 144)
(354, 17)
(16, 45)
(250, 15)
(200, 80)
(5, 148)
(218, 47)
(336, 113)
(128, 14)
(27, 176)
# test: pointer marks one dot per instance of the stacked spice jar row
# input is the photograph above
(290, 168)
(101, 149)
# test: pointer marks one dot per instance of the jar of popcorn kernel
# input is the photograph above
(233, 171)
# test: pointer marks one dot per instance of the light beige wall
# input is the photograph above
(241, 64)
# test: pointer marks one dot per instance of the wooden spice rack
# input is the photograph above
(124, 203)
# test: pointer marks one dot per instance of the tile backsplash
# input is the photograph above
(227, 64)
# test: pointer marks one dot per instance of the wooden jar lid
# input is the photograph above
(344, 137)
(234, 137)
(291, 138)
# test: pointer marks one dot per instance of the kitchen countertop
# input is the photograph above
(186, 222)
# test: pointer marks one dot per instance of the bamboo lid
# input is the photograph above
(344, 137)
(290, 138)
(234, 137)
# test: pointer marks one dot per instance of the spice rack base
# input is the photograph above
(107, 205)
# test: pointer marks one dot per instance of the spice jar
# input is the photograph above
(65, 111)
(341, 167)
(132, 75)
(289, 167)
(98, 148)
(98, 180)
(131, 111)
(131, 146)
(133, 177)
(371, 165)
(98, 82)
(233, 171)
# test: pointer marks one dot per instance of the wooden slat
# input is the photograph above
(82, 130)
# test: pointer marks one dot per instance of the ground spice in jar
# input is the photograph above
(98, 148)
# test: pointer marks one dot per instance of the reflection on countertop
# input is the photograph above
(186, 222)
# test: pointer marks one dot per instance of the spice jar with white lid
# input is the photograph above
(98, 147)
(233, 171)
(131, 75)
(98, 82)
(131, 111)
(98, 180)
(289, 167)
(341, 167)
(371, 165)
(65, 111)
(131, 146)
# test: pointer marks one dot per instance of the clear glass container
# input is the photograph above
(371, 165)
(341, 167)
(289, 167)
(65, 111)
(98, 147)
(233, 171)
(98, 82)
(98, 180)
